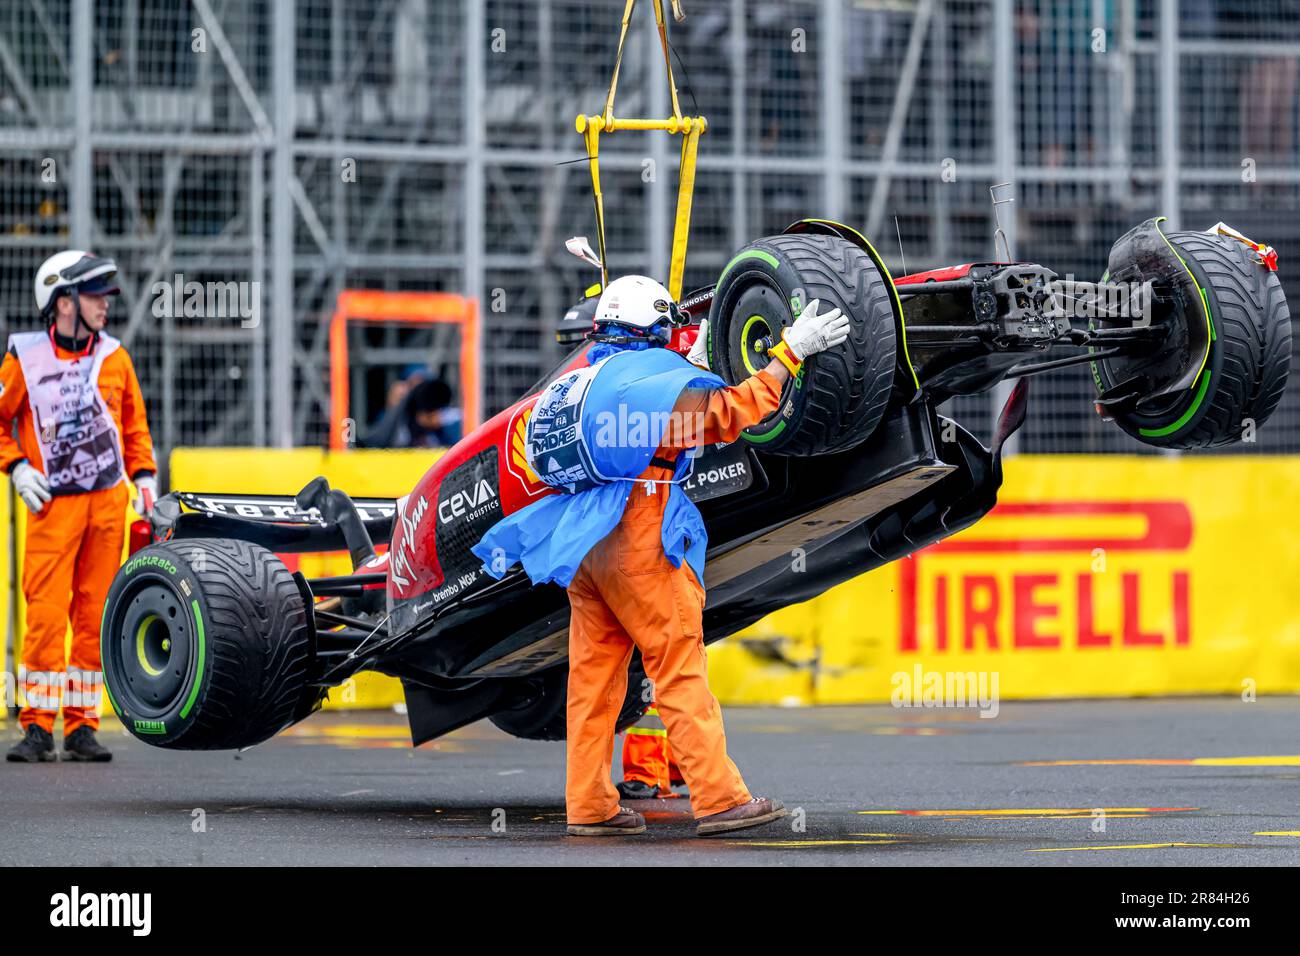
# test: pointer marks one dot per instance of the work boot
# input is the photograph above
(36, 747)
(637, 790)
(82, 745)
(624, 823)
(756, 812)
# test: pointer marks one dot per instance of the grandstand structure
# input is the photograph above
(246, 161)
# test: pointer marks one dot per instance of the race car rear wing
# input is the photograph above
(316, 519)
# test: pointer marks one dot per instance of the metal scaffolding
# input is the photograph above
(300, 148)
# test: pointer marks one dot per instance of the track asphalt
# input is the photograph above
(1186, 781)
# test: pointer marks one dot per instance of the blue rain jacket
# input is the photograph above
(552, 536)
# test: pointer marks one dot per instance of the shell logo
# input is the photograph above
(516, 458)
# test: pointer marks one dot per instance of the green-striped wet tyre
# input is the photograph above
(1243, 376)
(840, 395)
(206, 644)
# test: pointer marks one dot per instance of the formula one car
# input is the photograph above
(210, 642)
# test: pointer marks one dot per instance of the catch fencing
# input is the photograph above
(246, 160)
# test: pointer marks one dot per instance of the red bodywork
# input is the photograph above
(946, 274)
(414, 568)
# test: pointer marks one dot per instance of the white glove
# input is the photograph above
(699, 353)
(31, 486)
(146, 491)
(813, 333)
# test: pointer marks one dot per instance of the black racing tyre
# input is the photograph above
(540, 714)
(206, 645)
(840, 395)
(1250, 352)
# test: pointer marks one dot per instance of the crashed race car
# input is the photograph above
(210, 642)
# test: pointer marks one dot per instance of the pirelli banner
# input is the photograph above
(1094, 576)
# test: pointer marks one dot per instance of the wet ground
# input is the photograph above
(1191, 781)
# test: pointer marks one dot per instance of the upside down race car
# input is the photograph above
(210, 642)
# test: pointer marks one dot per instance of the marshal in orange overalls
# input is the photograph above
(647, 755)
(73, 546)
(626, 594)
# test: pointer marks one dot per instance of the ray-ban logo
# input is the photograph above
(77, 909)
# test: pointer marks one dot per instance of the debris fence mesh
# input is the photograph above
(429, 145)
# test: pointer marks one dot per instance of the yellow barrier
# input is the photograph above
(361, 473)
(13, 514)
(1094, 576)
(382, 474)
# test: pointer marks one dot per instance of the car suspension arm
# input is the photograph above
(330, 617)
(1144, 334)
(1033, 368)
(346, 585)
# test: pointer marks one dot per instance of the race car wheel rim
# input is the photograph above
(155, 641)
(755, 337)
(758, 312)
(152, 645)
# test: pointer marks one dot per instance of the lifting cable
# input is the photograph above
(691, 127)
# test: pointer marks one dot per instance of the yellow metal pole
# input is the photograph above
(685, 192)
(679, 124)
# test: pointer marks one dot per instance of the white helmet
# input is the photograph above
(73, 271)
(636, 302)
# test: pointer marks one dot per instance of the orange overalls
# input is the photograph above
(647, 755)
(73, 546)
(626, 592)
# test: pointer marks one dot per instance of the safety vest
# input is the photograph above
(601, 432)
(554, 442)
(79, 443)
(589, 427)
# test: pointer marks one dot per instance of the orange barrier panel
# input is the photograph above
(415, 308)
